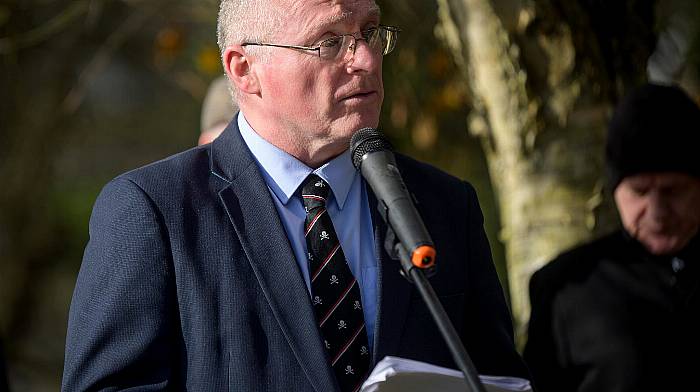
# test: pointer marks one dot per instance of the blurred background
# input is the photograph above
(512, 95)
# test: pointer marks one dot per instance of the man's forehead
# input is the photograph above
(314, 14)
(349, 9)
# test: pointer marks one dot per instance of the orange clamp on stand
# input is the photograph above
(423, 257)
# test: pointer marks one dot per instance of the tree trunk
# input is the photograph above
(543, 87)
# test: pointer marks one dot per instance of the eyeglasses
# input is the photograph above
(381, 39)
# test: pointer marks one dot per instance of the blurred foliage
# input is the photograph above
(92, 88)
(89, 89)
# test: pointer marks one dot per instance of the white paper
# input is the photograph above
(406, 375)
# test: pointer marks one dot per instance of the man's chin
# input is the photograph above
(351, 128)
(356, 119)
(662, 245)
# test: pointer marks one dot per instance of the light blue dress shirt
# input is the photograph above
(348, 209)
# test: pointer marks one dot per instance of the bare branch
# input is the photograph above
(46, 30)
(103, 56)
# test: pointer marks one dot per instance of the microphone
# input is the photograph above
(372, 155)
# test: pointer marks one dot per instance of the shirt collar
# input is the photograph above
(284, 174)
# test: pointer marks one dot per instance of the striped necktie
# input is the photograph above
(335, 291)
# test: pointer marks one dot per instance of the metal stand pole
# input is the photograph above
(416, 276)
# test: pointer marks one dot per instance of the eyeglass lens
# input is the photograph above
(381, 40)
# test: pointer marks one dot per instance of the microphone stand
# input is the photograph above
(418, 277)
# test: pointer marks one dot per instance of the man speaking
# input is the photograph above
(256, 262)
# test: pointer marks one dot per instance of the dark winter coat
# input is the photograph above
(608, 316)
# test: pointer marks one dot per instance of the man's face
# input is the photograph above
(660, 210)
(313, 106)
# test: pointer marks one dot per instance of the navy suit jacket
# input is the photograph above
(189, 282)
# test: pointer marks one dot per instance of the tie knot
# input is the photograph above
(315, 192)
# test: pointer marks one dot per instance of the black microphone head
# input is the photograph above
(367, 140)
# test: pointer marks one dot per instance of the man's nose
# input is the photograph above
(362, 56)
(659, 205)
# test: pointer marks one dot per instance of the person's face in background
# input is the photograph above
(660, 210)
(208, 136)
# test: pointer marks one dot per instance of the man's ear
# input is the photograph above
(239, 68)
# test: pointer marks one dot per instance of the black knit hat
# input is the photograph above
(655, 128)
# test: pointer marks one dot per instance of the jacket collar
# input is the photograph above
(253, 215)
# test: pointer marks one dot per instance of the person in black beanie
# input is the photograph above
(622, 313)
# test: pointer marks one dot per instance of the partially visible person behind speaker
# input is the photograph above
(623, 313)
(218, 109)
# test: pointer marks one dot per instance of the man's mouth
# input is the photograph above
(360, 95)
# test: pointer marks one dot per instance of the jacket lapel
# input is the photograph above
(394, 292)
(254, 217)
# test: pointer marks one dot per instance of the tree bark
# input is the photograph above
(543, 87)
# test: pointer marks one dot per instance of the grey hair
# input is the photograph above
(247, 21)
